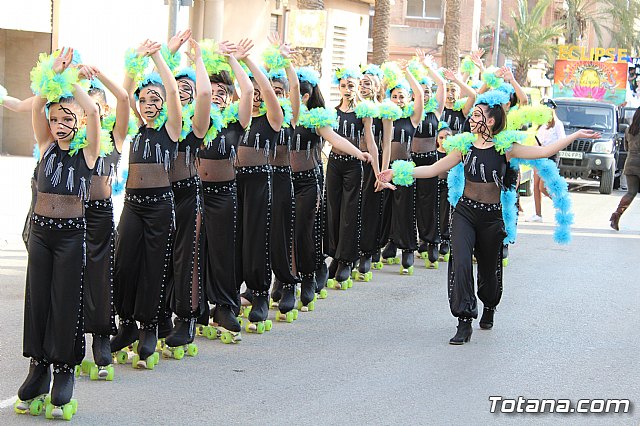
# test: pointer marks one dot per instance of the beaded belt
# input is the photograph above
(487, 207)
(58, 223)
(219, 188)
(148, 199)
(304, 174)
(253, 169)
(186, 183)
(281, 169)
(106, 204)
(430, 154)
(341, 157)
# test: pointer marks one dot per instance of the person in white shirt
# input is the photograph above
(547, 134)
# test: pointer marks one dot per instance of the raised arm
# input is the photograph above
(274, 111)
(39, 122)
(418, 97)
(17, 105)
(342, 144)
(445, 164)
(533, 152)
(121, 125)
(465, 90)
(506, 73)
(92, 115)
(294, 84)
(174, 107)
(203, 91)
(441, 91)
(246, 88)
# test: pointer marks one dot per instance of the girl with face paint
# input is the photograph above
(255, 196)
(456, 115)
(400, 228)
(184, 290)
(476, 222)
(216, 169)
(423, 153)
(53, 315)
(143, 246)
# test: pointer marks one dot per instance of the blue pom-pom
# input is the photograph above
(506, 88)
(389, 111)
(367, 109)
(118, 185)
(491, 79)
(403, 172)
(150, 79)
(342, 73)
(492, 98)
(277, 74)
(372, 69)
(455, 182)
(562, 235)
(187, 72)
(309, 75)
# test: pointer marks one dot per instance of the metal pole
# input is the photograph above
(496, 38)
(174, 5)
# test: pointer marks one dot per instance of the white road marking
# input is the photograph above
(8, 402)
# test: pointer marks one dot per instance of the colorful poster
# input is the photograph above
(307, 28)
(603, 81)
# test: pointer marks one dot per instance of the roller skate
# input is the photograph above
(226, 324)
(505, 255)
(463, 335)
(308, 297)
(444, 251)
(246, 299)
(321, 281)
(59, 404)
(146, 356)
(286, 307)
(423, 250)
(165, 327)
(100, 368)
(486, 321)
(342, 280)
(389, 254)
(407, 263)
(363, 273)
(203, 328)
(431, 262)
(258, 322)
(34, 390)
(276, 294)
(180, 340)
(375, 261)
(121, 343)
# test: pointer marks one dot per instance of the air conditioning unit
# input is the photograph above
(440, 38)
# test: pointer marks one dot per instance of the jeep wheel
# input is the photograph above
(606, 180)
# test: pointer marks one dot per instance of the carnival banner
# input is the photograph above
(603, 81)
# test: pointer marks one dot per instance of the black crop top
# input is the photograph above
(285, 137)
(485, 166)
(350, 127)
(190, 145)
(224, 146)
(260, 135)
(305, 139)
(377, 132)
(455, 119)
(63, 174)
(428, 128)
(152, 146)
(108, 165)
(403, 130)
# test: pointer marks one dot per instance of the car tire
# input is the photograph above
(606, 180)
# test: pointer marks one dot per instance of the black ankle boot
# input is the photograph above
(376, 257)
(147, 340)
(183, 332)
(127, 334)
(364, 265)
(444, 248)
(37, 382)
(101, 350)
(322, 275)
(433, 253)
(486, 322)
(259, 306)
(165, 325)
(288, 298)
(463, 335)
(407, 259)
(62, 389)
(333, 267)
(307, 289)
(203, 318)
(389, 251)
(224, 317)
(276, 290)
(423, 247)
(343, 272)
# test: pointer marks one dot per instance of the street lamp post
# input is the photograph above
(496, 37)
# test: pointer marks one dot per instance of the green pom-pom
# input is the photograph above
(407, 110)
(461, 142)
(217, 122)
(110, 121)
(50, 85)
(503, 140)
(467, 66)
(389, 110)
(106, 144)
(78, 142)
(187, 121)
(273, 58)
(285, 104)
(230, 114)
(367, 109)
(403, 172)
(172, 59)
(161, 118)
(214, 62)
(527, 115)
(317, 118)
(417, 69)
(392, 74)
(3, 94)
(134, 65)
(430, 106)
(491, 79)
(459, 104)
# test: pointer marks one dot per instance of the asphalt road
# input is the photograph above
(567, 327)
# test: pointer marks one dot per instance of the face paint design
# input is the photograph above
(187, 91)
(279, 89)
(478, 123)
(400, 97)
(348, 89)
(366, 87)
(151, 102)
(452, 93)
(63, 122)
(257, 98)
(427, 93)
(219, 95)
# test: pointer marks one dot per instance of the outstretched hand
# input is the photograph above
(226, 48)
(148, 48)
(385, 176)
(505, 73)
(449, 75)
(587, 134)
(366, 157)
(379, 186)
(178, 40)
(242, 49)
(63, 61)
(476, 57)
(194, 52)
(88, 72)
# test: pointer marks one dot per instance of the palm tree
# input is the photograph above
(380, 32)
(451, 45)
(529, 40)
(310, 56)
(623, 29)
(578, 16)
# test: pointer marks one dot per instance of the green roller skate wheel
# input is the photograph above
(298, 291)
(424, 255)
(505, 262)
(445, 258)
(135, 360)
(397, 260)
(390, 261)
(323, 293)
(192, 350)
(178, 353)
(151, 362)
(300, 305)
(36, 406)
(295, 314)
(226, 338)
(289, 317)
(156, 357)
(86, 365)
(247, 327)
(74, 404)
(350, 283)
(17, 409)
(77, 371)
(210, 333)
(260, 327)
(268, 325)
(67, 412)
(110, 373)
(410, 270)
(311, 306)
(354, 274)
(48, 411)
(122, 357)
(93, 373)
(331, 283)
(436, 265)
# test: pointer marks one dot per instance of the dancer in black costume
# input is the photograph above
(455, 111)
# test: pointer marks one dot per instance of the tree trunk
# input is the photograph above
(380, 31)
(521, 73)
(309, 56)
(451, 48)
